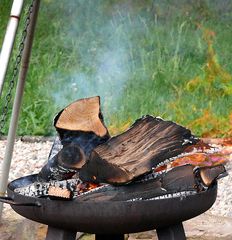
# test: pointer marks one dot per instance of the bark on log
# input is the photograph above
(147, 143)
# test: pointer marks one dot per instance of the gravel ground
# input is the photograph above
(28, 157)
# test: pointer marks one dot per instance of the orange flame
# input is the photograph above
(202, 157)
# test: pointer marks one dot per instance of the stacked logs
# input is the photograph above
(85, 151)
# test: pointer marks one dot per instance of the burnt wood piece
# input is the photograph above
(77, 147)
(81, 128)
(177, 182)
(82, 123)
(87, 141)
(147, 143)
(59, 192)
(179, 179)
(64, 164)
(209, 175)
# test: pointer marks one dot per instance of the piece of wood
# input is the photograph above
(71, 156)
(210, 174)
(64, 164)
(179, 181)
(87, 141)
(59, 192)
(82, 115)
(81, 128)
(135, 152)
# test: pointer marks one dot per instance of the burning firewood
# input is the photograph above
(59, 192)
(135, 152)
(64, 164)
(82, 123)
(208, 174)
(177, 182)
(81, 128)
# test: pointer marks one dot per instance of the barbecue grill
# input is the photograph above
(110, 219)
(106, 219)
(129, 197)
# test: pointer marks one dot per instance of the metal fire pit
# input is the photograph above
(109, 219)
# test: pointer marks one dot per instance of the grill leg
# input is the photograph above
(173, 232)
(109, 237)
(59, 234)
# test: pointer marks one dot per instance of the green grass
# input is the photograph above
(137, 55)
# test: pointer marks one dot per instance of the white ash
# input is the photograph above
(38, 189)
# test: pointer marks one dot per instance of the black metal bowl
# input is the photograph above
(109, 217)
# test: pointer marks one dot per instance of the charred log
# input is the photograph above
(82, 123)
(81, 128)
(87, 141)
(135, 152)
(208, 175)
(58, 192)
(177, 182)
(64, 164)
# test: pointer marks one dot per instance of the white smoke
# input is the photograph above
(110, 64)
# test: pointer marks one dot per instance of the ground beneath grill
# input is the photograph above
(215, 224)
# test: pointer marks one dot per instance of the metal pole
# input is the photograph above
(17, 102)
(9, 39)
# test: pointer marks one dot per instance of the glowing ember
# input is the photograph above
(204, 155)
(85, 187)
(201, 160)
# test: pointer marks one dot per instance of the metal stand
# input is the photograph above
(60, 234)
(17, 103)
(173, 232)
(9, 39)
